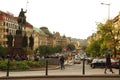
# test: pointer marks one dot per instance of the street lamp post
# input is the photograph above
(84, 56)
(46, 67)
(8, 65)
(108, 9)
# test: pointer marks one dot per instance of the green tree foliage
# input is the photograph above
(93, 49)
(58, 49)
(109, 33)
(70, 47)
(45, 50)
(48, 50)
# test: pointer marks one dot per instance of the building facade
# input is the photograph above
(42, 35)
(8, 24)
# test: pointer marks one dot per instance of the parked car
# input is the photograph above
(77, 61)
(117, 66)
(89, 60)
(100, 63)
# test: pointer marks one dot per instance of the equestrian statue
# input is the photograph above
(22, 19)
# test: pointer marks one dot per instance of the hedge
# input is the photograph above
(21, 65)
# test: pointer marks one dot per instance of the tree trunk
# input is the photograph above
(115, 51)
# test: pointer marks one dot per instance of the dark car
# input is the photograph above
(100, 63)
(117, 66)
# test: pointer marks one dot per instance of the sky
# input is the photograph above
(72, 18)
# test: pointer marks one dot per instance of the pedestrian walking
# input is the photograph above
(62, 61)
(108, 62)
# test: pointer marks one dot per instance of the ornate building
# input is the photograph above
(61, 40)
(8, 24)
(40, 38)
(49, 36)
(116, 22)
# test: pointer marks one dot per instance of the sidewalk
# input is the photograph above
(95, 74)
(55, 73)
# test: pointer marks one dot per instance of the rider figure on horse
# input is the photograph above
(22, 18)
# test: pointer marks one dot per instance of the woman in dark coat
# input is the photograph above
(108, 62)
(62, 61)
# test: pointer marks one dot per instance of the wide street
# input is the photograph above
(75, 69)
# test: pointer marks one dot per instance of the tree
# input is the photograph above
(110, 35)
(45, 50)
(94, 48)
(70, 47)
(58, 49)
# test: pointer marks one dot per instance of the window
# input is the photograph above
(3, 23)
(6, 24)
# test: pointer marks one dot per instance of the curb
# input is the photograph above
(61, 76)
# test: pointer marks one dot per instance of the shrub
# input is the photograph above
(3, 65)
(21, 65)
(18, 65)
(36, 63)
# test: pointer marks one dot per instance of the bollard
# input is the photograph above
(8, 65)
(119, 67)
(83, 66)
(46, 67)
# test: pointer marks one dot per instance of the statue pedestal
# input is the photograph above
(18, 41)
(18, 48)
